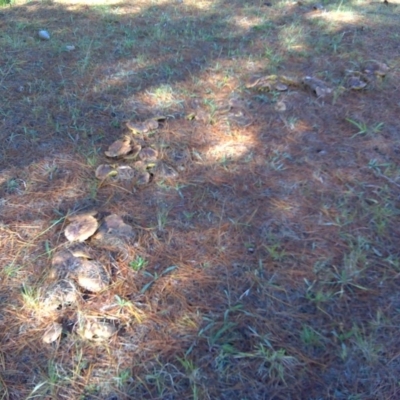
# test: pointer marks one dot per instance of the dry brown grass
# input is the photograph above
(268, 268)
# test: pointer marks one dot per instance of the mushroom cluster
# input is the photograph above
(359, 79)
(143, 159)
(75, 271)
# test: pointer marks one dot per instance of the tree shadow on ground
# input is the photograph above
(257, 213)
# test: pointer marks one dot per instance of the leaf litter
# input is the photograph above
(266, 223)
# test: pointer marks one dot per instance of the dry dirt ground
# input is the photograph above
(262, 260)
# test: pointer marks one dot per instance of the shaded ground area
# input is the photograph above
(260, 256)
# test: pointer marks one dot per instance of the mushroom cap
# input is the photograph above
(97, 330)
(148, 154)
(165, 171)
(143, 178)
(355, 83)
(44, 35)
(124, 172)
(80, 251)
(143, 127)
(280, 106)
(140, 166)
(62, 263)
(281, 87)
(317, 86)
(377, 68)
(91, 212)
(264, 83)
(150, 125)
(52, 333)
(135, 127)
(92, 276)
(239, 118)
(81, 228)
(134, 153)
(115, 225)
(103, 171)
(119, 148)
(58, 295)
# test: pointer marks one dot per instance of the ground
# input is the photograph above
(265, 264)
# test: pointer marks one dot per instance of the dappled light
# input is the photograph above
(339, 18)
(199, 199)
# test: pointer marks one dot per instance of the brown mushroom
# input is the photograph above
(96, 330)
(103, 171)
(52, 333)
(115, 225)
(142, 127)
(148, 154)
(92, 276)
(81, 228)
(119, 148)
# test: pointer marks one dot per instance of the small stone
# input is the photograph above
(44, 35)
(318, 7)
